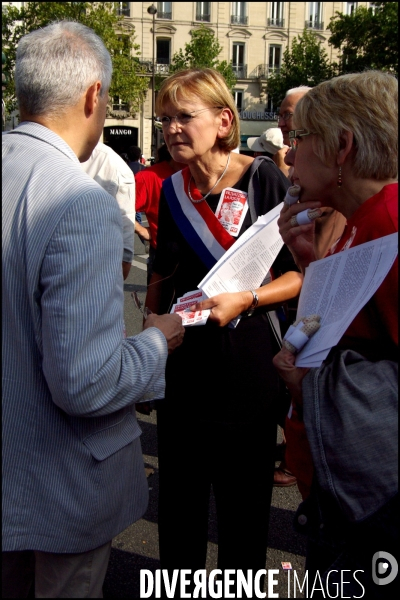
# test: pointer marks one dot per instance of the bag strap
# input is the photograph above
(274, 323)
(254, 188)
(254, 196)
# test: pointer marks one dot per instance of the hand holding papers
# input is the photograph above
(337, 287)
(300, 332)
(182, 308)
(245, 265)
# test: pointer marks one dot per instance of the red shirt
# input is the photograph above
(148, 190)
(374, 331)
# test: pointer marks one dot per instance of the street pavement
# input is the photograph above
(136, 548)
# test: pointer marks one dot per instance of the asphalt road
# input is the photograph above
(136, 548)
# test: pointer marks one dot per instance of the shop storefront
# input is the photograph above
(120, 137)
(253, 122)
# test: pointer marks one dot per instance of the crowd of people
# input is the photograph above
(73, 472)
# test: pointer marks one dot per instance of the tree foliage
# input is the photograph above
(305, 63)
(202, 52)
(102, 18)
(367, 39)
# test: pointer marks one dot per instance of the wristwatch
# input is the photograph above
(253, 305)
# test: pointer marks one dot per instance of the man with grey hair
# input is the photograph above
(73, 472)
(285, 118)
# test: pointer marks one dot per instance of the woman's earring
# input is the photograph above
(339, 179)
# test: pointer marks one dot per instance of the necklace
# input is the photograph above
(213, 187)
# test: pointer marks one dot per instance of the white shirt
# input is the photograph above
(110, 171)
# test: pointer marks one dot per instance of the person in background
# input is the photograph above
(148, 191)
(110, 171)
(73, 472)
(221, 429)
(345, 155)
(286, 110)
(134, 154)
(296, 466)
(270, 143)
(135, 164)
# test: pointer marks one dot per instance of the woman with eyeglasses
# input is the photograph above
(344, 152)
(217, 424)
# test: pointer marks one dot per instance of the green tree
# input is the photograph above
(367, 39)
(305, 63)
(128, 81)
(201, 52)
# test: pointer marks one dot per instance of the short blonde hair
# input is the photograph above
(363, 103)
(207, 85)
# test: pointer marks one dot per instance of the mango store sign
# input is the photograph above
(119, 131)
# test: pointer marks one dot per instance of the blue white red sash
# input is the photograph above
(197, 222)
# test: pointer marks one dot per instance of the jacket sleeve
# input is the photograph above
(90, 369)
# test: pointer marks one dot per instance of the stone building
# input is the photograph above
(253, 35)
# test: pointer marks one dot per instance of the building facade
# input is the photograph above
(253, 35)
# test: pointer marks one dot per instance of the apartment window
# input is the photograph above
(238, 16)
(373, 7)
(271, 108)
(274, 59)
(164, 10)
(238, 96)
(238, 60)
(163, 53)
(123, 9)
(315, 16)
(119, 105)
(276, 19)
(351, 7)
(203, 11)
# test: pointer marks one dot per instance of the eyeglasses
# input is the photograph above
(182, 118)
(295, 135)
(285, 117)
(146, 312)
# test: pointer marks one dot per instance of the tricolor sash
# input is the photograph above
(197, 222)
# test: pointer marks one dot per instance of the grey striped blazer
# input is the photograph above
(73, 473)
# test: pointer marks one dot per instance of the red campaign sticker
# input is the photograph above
(231, 210)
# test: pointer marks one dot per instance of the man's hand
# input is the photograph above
(170, 325)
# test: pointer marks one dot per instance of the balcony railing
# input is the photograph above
(240, 71)
(164, 15)
(124, 12)
(160, 67)
(203, 17)
(238, 20)
(314, 24)
(263, 71)
(276, 22)
(120, 107)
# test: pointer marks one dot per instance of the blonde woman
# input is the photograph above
(217, 424)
